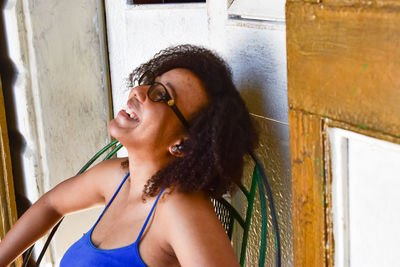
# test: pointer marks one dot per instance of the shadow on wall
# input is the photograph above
(17, 141)
(258, 60)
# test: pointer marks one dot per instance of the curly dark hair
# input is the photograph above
(219, 134)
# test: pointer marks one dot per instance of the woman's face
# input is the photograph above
(157, 127)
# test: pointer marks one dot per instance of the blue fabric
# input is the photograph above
(84, 253)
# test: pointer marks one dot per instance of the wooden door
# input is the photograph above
(344, 121)
(8, 210)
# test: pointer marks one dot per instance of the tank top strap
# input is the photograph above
(111, 200)
(149, 216)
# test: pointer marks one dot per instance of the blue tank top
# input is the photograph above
(84, 253)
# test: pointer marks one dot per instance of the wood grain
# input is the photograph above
(305, 1)
(308, 197)
(343, 63)
(366, 3)
(8, 210)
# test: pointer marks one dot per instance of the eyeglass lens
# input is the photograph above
(157, 91)
(147, 78)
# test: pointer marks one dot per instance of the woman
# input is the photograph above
(186, 130)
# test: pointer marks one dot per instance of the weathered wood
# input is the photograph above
(8, 210)
(367, 3)
(305, 1)
(343, 63)
(308, 201)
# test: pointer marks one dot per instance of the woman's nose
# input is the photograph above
(140, 92)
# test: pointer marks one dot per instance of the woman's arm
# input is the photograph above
(77, 193)
(34, 223)
(196, 235)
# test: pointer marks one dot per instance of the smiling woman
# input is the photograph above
(186, 130)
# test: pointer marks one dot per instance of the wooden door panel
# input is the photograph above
(8, 210)
(308, 196)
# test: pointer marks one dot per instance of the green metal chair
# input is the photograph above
(224, 210)
(229, 214)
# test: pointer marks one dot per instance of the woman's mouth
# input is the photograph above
(130, 113)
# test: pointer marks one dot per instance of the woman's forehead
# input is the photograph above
(187, 87)
(180, 77)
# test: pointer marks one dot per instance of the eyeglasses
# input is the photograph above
(158, 93)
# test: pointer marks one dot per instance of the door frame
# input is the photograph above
(8, 208)
(337, 77)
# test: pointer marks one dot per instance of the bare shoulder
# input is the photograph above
(187, 208)
(175, 201)
(192, 226)
(108, 174)
(89, 189)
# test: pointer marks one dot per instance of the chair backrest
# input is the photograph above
(225, 211)
(228, 214)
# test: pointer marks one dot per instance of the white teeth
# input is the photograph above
(131, 113)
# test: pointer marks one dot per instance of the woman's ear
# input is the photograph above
(177, 149)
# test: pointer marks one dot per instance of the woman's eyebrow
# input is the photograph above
(172, 90)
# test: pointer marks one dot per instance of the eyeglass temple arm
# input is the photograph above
(180, 116)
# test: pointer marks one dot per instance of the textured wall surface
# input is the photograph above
(257, 57)
(256, 52)
(272, 150)
(60, 96)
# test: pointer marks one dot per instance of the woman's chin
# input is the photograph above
(114, 130)
(122, 134)
(110, 128)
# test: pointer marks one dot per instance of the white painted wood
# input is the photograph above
(340, 203)
(369, 235)
(270, 10)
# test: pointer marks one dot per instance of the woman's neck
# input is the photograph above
(141, 170)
